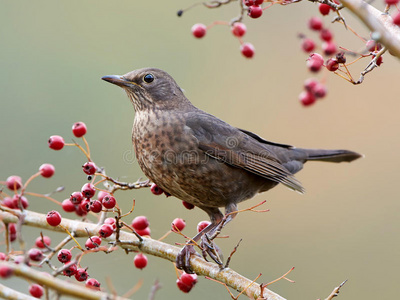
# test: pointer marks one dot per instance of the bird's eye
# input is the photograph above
(148, 78)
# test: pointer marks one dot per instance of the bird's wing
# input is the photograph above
(239, 149)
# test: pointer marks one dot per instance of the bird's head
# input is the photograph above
(150, 88)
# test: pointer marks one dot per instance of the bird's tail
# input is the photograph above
(335, 156)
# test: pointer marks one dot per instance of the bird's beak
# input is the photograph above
(118, 80)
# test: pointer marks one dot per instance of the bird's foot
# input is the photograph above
(183, 258)
(210, 248)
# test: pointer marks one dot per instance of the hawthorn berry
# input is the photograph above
(95, 206)
(93, 284)
(143, 232)
(85, 205)
(35, 254)
(332, 64)
(372, 46)
(36, 290)
(81, 275)
(68, 206)
(178, 224)
(255, 11)
(71, 270)
(81, 212)
(379, 61)
(3, 256)
(8, 202)
(315, 23)
(53, 218)
(320, 91)
(101, 195)
(64, 256)
(106, 230)
(89, 168)
(199, 30)
(140, 261)
(391, 2)
(396, 19)
(315, 62)
(76, 198)
(47, 170)
(109, 201)
(310, 84)
(329, 48)
(324, 9)
(79, 129)
(13, 237)
(308, 45)
(39, 242)
(306, 98)
(56, 142)
(186, 282)
(93, 242)
(326, 35)
(247, 50)
(17, 199)
(111, 221)
(156, 190)
(140, 223)
(238, 29)
(6, 272)
(88, 190)
(248, 2)
(187, 205)
(14, 182)
(202, 225)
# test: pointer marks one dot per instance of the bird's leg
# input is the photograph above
(183, 258)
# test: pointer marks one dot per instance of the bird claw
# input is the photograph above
(183, 258)
(210, 248)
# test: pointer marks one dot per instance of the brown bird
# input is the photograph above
(200, 159)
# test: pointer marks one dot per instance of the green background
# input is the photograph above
(52, 56)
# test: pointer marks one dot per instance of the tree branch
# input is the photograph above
(129, 241)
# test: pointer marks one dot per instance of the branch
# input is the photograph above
(129, 241)
(381, 24)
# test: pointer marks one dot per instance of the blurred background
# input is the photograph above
(52, 56)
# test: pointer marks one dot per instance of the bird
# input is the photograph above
(200, 159)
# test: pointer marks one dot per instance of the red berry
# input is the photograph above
(396, 19)
(85, 205)
(199, 30)
(47, 170)
(238, 29)
(111, 221)
(202, 225)
(81, 212)
(81, 274)
(156, 190)
(143, 232)
(315, 62)
(248, 2)
(379, 61)
(140, 223)
(12, 229)
(93, 284)
(255, 11)
(70, 271)
(93, 242)
(88, 190)
(36, 290)
(6, 272)
(13, 237)
(258, 2)
(324, 9)
(95, 206)
(101, 195)
(106, 230)
(56, 142)
(64, 256)
(391, 2)
(17, 199)
(8, 202)
(372, 46)
(39, 242)
(79, 129)
(329, 48)
(332, 64)
(247, 50)
(320, 91)
(35, 254)
(53, 218)
(326, 35)
(308, 45)
(3, 256)
(68, 206)
(310, 84)
(89, 168)
(178, 225)
(187, 205)
(186, 282)
(76, 198)
(140, 261)
(14, 182)
(109, 201)
(306, 98)
(315, 23)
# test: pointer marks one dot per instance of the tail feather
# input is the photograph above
(335, 156)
